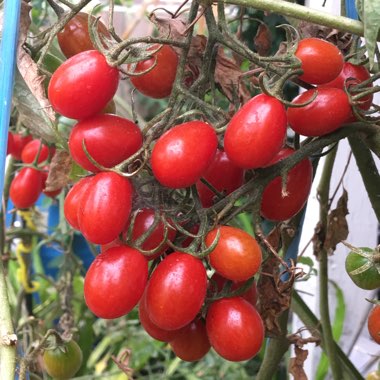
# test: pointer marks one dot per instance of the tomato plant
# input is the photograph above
(34, 148)
(321, 61)
(176, 291)
(121, 136)
(283, 201)
(174, 162)
(237, 255)
(374, 323)
(256, 132)
(115, 282)
(154, 77)
(63, 361)
(235, 328)
(73, 85)
(50, 194)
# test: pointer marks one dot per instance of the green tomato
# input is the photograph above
(63, 362)
(363, 267)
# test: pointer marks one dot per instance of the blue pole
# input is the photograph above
(8, 48)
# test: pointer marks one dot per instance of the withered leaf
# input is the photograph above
(59, 171)
(263, 40)
(296, 364)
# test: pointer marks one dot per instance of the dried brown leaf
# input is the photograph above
(296, 364)
(263, 40)
(59, 171)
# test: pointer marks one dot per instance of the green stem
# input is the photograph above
(368, 171)
(303, 13)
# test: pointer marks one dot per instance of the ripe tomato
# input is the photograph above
(368, 279)
(50, 194)
(249, 295)
(10, 143)
(374, 323)
(120, 136)
(158, 82)
(63, 362)
(182, 155)
(104, 211)
(191, 342)
(115, 282)
(326, 113)
(321, 61)
(153, 330)
(256, 132)
(83, 85)
(279, 206)
(26, 187)
(143, 221)
(176, 291)
(73, 201)
(19, 142)
(34, 148)
(237, 256)
(235, 329)
(75, 38)
(223, 175)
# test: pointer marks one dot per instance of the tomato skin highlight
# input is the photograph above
(158, 82)
(105, 209)
(73, 85)
(256, 132)
(321, 61)
(109, 140)
(176, 291)
(173, 161)
(373, 323)
(235, 328)
(115, 282)
(325, 114)
(237, 255)
(277, 207)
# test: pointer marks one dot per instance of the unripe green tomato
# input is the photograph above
(369, 279)
(63, 362)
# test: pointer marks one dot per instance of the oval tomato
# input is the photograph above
(235, 329)
(109, 140)
(326, 113)
(63, 361)
(73, 201)
(83, 85)
(158, 82)
(34, 148)
(19, 142)
(237, 256)
(176, 291)
(374, 323)
(191, 342)
(10, 144)
(321, 61)
(115, 282)
(75, 38)
(279, 206)
(26, 187)
(182, 155)
(223, 175)
(105, 209)
(256, 132)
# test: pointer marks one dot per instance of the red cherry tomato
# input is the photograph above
(83, 85)
(191, 342)
(321, 61)
(10, 144)
(374, 323)
(237, 256)
(256, 132)
(115, 282)
(158, 82)
(176, 291)
(34, 148)
(19, 142)
(109, 140)
(326, 113)
(143, 221)
(277, 206)
(26, 187)
(105, 208)
(235, 329)
(50, 194)
(182, 155)
(75, 38)
(153, 330)
(223, 175)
